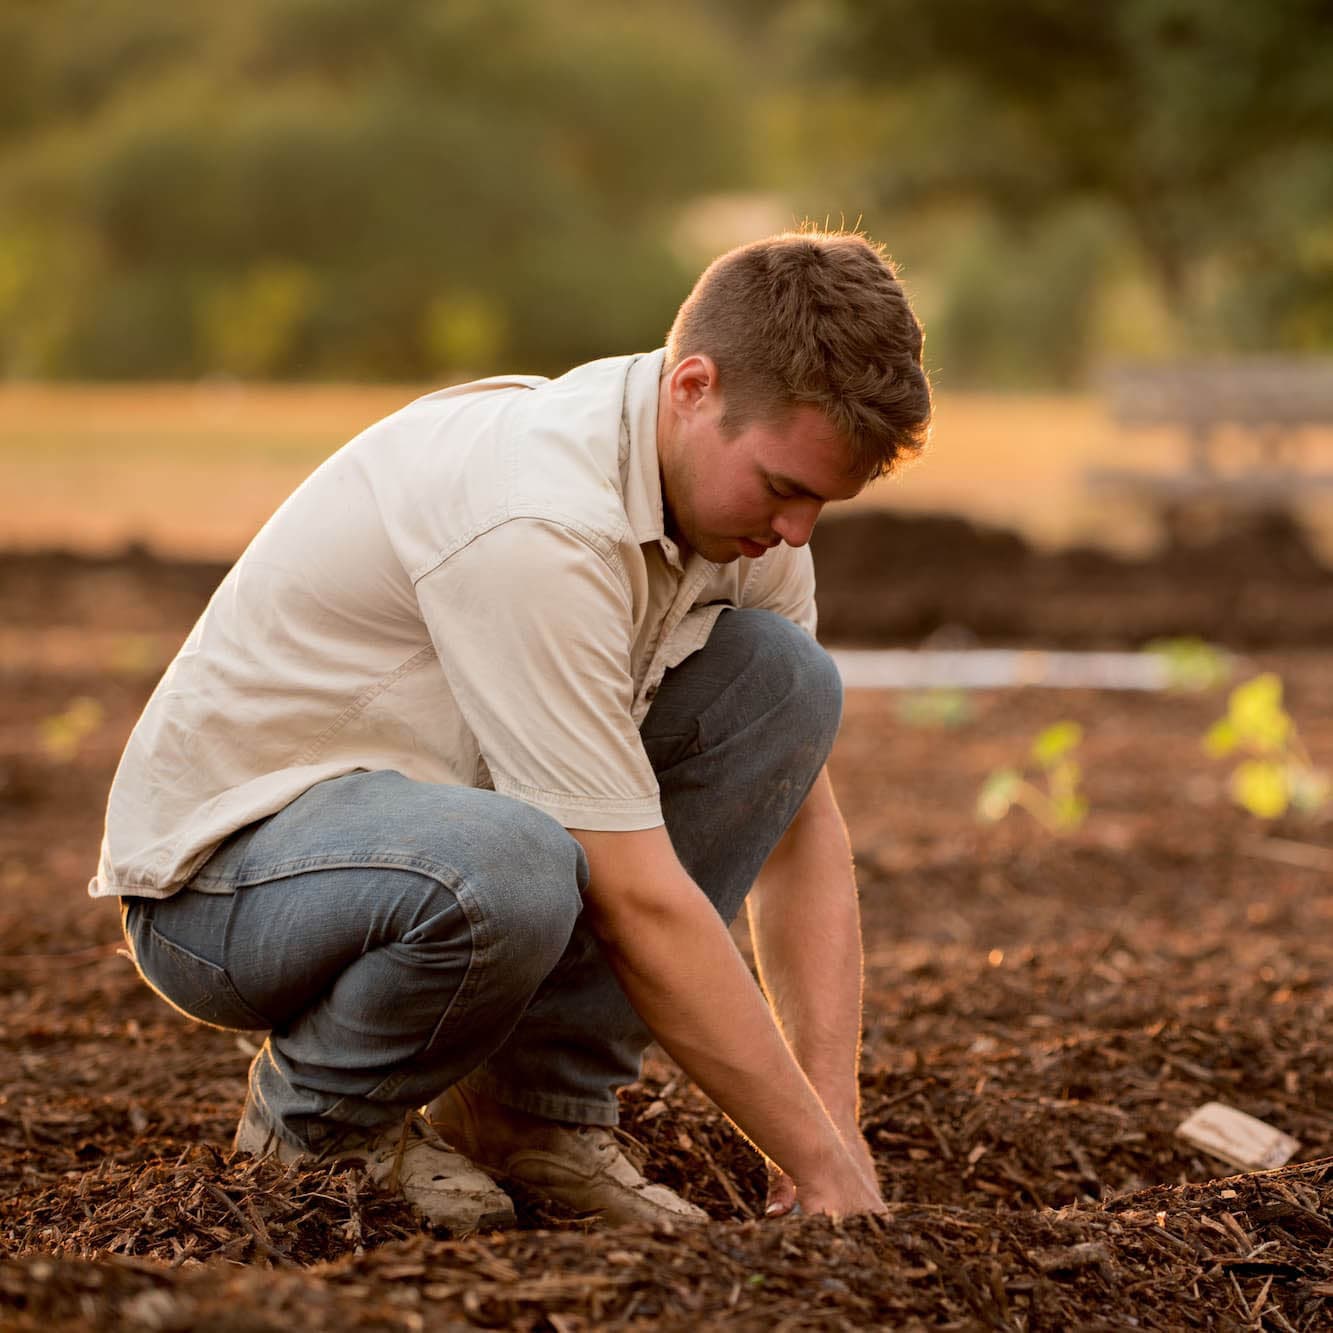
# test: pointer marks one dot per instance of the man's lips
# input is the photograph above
(752, 550)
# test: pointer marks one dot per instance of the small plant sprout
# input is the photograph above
(1051, 795)
(934, 708)
(1275, 773)
(63, 733)
(1192, 664)
(135, 655)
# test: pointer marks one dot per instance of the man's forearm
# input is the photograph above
(680, 969)
(805, 923)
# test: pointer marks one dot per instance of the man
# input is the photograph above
(458, 779)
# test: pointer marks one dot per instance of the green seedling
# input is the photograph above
(1275, 773)
(1051, 795)
(135, 655)
(934, 708)
(1192, 664)
(63, 733)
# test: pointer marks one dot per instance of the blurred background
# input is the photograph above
(233, 235)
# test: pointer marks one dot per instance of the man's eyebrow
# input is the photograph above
(792, 485)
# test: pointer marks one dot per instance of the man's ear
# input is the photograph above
(691, 382)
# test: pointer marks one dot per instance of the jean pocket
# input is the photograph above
(199, 989)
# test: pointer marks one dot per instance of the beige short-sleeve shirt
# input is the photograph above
(477, 590)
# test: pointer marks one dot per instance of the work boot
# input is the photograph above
(583, 1167)
(406, 1157)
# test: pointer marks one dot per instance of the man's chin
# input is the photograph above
(716, 550)
(751, 550)
(727, 550)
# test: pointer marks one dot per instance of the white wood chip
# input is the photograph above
(1237, 1138)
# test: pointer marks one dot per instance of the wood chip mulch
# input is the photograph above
(1041, 1014)
(1236, 1253)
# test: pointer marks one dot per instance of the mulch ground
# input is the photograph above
(1041, 1014)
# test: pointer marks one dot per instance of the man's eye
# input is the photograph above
(773, 490)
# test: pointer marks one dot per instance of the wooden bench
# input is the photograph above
(1243, 429)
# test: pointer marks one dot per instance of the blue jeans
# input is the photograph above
(395, 937)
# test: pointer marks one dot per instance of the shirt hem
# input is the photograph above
(98, 887)
(585, 812)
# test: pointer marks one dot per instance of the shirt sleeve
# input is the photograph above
(784, 582)
(532, 627)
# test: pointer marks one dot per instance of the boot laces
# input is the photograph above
(613, 1138)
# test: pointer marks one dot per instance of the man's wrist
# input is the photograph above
(841, 1102)
(827, 1159)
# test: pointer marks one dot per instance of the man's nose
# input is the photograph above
(795, 522)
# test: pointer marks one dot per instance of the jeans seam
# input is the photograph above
(449, 876)
(455, 1011)
(480, 942)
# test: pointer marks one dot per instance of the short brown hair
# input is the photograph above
(819, 319)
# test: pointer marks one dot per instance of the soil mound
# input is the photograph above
(892, 578)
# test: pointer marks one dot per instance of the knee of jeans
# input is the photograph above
(536, 893)
(799, 679)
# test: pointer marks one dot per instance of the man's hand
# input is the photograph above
(784, 1194)
(841, 1199)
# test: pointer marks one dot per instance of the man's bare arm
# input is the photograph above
(806, 927)
(680, 969)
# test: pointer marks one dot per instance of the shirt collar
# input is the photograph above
(640, 469)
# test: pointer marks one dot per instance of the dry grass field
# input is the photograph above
(195, 469)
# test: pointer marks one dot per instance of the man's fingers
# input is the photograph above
(781, 1193)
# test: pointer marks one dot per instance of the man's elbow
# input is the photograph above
(619, 919)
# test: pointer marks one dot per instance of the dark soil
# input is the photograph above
(893, 578)
(1041, 1014)
(883, 578)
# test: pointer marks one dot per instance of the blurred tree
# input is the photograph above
(436, 187)
(1188, 118)
(250, 327)
(343, 187)
(1019, 304)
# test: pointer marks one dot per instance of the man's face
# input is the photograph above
(727, 498)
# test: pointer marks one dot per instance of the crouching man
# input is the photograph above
(473, 755)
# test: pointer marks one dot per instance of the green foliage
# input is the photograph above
(1274, 773)
(1159, 116)
(1055, 744)
(432, 187)
(999, 793)
(1047, 787)
(994, 325)
(63, 734)
(934, 708)
(345, 188)
(465, 331)
(135, 655)
(1192, 664)
(252, 327)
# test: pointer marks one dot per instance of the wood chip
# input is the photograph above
(1237, 1138)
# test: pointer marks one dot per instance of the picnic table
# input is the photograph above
(1243, 427)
